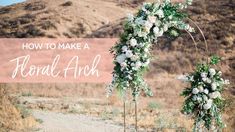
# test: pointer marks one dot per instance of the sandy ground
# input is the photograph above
(59, 122)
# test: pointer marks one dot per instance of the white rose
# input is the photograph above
(205, 98)
(206, 91)
(138, 65)
(129, 54)
(208, 80)
(157, 23)
(148, 25)
(226, 82)
(134, 57)
(157, 32)
(219, 73)
(152, 19)
(199, 99)
(124, 48)
(215, 94)
(204, 79)
(133, 42)
(123, 64)
(165, 27)
(121, 58)
(130, 17)
(194, 98)
(203, 75)
(207, 106)
(195, 91)
(212, 72)
(213, 86)
(200, 88)
(160, 13)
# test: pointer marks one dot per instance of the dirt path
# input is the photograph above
(59, 122)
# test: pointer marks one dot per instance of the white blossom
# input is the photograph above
(130, 17)
(157, 32)
(208, 80)
(213, 86)
(195, 91)
(129, 54)
(148, 25)
(134, 57)
(133, 42)
(194, 98)
(212, 71)
(205, 98)
(121, 58)
(123, 64)
(183, 78)
(152, 19)
(138, 65)
(215, 95)
(207, 105)
(124, 48)
(226, 82)
(160, 13)
(204, 79)
(199, 99)
(206, 91)
(200, 88)
(204, 75)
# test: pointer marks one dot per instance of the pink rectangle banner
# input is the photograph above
(56, 60)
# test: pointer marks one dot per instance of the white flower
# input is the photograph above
(208, 80)
(148, 25)
(205, 98)
(129, 54)
(212, 72)
(215, 94)
(138, 65)
(139, 21)
(226, 82)
(121, 58)
(195, 91)
(207, 106)
(165, 27)
(123, 64)
(219, 73)
(157, 32)
(203, 75)
(124, 48)
(200, 88)
(160, 13)
(204, 79)
(213, 86)
(146, 50)
(134, 57)
(183, 78)
(199, 99)
(194, 98)
(152, 19)
(133, 42)
(206, 91)
(130, 17)
(157, 23)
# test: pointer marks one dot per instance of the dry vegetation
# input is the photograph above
(90, 18)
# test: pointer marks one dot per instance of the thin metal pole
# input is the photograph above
(136, 119)
(124, 115)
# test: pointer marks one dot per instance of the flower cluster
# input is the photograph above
(203, 98)
(132, 52)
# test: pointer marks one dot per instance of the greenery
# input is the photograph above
(203, 97)
(132, 52)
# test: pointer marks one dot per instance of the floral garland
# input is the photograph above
(131, 53)
(203, 97)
